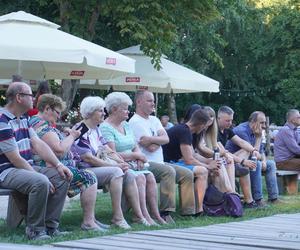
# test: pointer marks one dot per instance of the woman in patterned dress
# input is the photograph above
(84, 182)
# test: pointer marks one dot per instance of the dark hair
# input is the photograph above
(199, 117)
(43, 88)
(190, 111)
(16, 78)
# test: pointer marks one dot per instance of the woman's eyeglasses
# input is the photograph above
(57, 112)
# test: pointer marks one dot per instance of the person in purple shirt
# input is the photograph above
(251, 132)
(286, 144)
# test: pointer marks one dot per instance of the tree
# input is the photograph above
(279, 56)
(117, 24)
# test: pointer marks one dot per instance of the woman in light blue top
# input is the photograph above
(120, 137)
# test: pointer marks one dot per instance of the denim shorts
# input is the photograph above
(182, 164)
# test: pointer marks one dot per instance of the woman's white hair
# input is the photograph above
(115, 99)
(90, 104)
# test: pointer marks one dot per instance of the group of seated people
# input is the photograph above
(126, 158)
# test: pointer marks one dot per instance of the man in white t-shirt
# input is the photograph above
(150, 135)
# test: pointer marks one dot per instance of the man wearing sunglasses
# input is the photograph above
(251, 132)
(46, 188)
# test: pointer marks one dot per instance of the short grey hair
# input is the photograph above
(253, 117)
(90, 104)
(225, 109)
(291, 113)
(115, 99)
(13, 89)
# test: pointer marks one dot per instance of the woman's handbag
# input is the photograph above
(108, 155)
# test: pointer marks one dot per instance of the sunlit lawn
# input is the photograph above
(72, 217)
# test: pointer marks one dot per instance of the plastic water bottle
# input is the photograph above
(254, 158)
(216, 155)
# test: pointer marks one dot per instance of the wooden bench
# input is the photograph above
(15, 215)
(287, 181)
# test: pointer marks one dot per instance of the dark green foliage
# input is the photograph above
(250, 46)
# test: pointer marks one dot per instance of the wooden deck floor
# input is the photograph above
(276, 232)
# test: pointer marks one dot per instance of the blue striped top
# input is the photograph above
(15, 134)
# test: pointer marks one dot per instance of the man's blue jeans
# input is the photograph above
(271, 181)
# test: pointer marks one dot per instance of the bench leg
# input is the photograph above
(291, 184)
(16, 210)
(281, 185)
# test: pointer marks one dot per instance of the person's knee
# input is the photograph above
(91, 177)
(118, 172)
(150, 179)
(271, 167)
(129, 178)
(200, 171)
(41, 183)
(169, 172)
(258, 166)
(140, 179)
(187, 176)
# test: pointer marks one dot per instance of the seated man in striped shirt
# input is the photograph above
(46, 187)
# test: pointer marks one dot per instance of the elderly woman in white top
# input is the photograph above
(112, 175)
(120, 137)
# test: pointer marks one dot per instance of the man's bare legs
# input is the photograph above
(201, 174)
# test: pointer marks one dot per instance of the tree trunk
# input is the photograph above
(68, 92)
(268, 138)
(172, 108)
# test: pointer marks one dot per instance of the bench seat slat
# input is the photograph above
(286, 172)
(5, 191)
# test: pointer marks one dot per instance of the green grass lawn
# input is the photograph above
(72, 217)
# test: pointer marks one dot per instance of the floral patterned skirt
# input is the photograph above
(82, 179)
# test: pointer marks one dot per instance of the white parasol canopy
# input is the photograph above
(171, 77)
(34, 48)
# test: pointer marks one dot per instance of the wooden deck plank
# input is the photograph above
(243, 241)
(84, 245)
(132, 244)
(250, 234)
(261, 225)
(264, 225)
(191, 244)
(276, 232)
(10, 246)
(142, 241)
